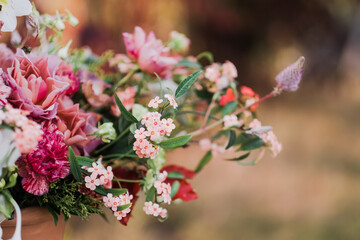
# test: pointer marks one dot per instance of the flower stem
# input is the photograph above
(215, 124)
(127, 180)
(212, 104)
(126, 78)
(113, 142)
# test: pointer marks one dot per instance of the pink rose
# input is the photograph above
(127, 99)
(76, 125)
(149, 52)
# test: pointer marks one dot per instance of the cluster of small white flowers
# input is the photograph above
(154, 209)
(99, 176)
(221, 75)
(156, 128)
(268, 137)
(232, 121)
(206, 145)
(114, 202)
(154, 103)
(171, 100)
(163, 188)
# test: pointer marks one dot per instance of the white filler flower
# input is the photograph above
(10, 9)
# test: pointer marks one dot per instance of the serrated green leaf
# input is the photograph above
(123, 207)
(176, 175)
(232, 139)
(74, 166)
(228, 108)
(186, 84)
(127, 115)
(175, 142)
(242, 157)
(84, 161)
(174, 188)
(205, 160)
(150, 194)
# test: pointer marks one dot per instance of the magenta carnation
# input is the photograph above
(47, 163)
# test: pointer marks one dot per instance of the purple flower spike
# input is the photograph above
(289, 78)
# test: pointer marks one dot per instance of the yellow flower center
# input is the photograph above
(5, 2)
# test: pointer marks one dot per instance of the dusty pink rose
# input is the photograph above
(47, 163)
(66, 73)
(35, 84)
(149, 52)
(76, 126)
(93, 88)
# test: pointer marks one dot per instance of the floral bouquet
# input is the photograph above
(81, 133)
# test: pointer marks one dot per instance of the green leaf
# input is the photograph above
(252, 142)
(175, 142)
(114, 191)
(186, 84)
(187, 63)
(232, 139)
(150, 194)
(174, 188)
(242, 157)
(6, 208)
(253, 162)
(176, 175)
(127, 115)
(12, 181)
(207, 55)
(228, 108)
(74, 166)
(84, 161)
(205, 160)
(123, 207)
(133, 127)
(53, 214)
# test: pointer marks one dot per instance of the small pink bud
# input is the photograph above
(289, 78)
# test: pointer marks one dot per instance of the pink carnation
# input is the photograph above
(37, 82)
(47, 163)
(149, 52)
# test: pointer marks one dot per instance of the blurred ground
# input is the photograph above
(311, 190)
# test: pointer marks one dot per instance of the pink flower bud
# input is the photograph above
(289, 78)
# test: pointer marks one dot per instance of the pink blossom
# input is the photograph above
(205, 144)
(154, 209)
(149, 52)
(123, 63)
(96, 169)
(229, 70)
(140, 133)
(289, 78)
(154, 103)
(168, 125)
(91, 182)
(126, 97)
(232, 121)
(255, 124)
(47, 163)
(108, 200)
(4, 91)
(171, 100)
(212, 72)
(217, 150)
(93, 88)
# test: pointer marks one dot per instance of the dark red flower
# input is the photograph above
(185, 192)
(133, 188)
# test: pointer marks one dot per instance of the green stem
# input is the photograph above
(197, 113)
(126, 78)
(128, 180)
(113, 142)
(203, 130)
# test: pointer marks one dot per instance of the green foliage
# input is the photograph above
(6, 208)
(150, 194)
(64, 198)
(248, 142)
(175, 142)
(242, 157)
(175, 174)
(187, 63)
(174, 188)
(186, 84)
(228, 108)
(205, 160)
(74, 166)
(232, 139)
(125, 112)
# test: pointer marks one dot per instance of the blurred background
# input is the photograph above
(312, 189)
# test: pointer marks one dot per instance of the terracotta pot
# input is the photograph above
(37, 223)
